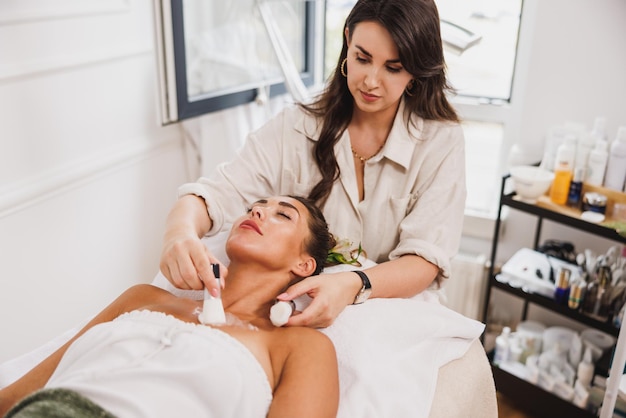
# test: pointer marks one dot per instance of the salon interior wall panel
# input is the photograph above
(20, 11)
(67, 256)
(87, 173)
(73, 86)
(465, 289)
(74, 33)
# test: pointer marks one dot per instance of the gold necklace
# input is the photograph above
(363, 159)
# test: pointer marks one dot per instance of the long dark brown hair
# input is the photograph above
(414, 28)
(320, 241)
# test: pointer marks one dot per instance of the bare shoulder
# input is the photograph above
(308, 340)
(146, 292)
(137, 297)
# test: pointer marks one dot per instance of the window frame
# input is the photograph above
(176, 105)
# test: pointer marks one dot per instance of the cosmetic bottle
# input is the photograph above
(554, 138)
(563, 170)
(596, 164)
(576, 188)
(577, 293)
(587, 141)
(586, 369)
(585, 145)
(561, 293)
(616, 165)
(501, 354)
(598, 132)
(597, 295)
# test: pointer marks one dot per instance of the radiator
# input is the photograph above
(464, 291)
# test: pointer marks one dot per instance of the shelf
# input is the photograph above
(551, 305)
(566, 216)
(534, 399)
(530, 397)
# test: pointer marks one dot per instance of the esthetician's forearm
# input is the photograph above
(403, 277)
(188, 216)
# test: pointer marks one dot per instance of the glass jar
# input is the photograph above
(594, 202)
(597, 302)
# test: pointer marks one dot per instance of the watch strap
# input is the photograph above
(365, 290)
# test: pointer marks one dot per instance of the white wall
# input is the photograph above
(87, 175)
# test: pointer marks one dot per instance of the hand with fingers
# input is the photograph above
(331, 293)
(186, 263)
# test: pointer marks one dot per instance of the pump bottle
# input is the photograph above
(503, 343)
(616, 166)
(598, 158)
(588, 140)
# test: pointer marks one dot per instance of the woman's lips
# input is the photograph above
(251, 225)
(368, 97)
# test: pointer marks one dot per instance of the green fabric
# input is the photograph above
(57, 403)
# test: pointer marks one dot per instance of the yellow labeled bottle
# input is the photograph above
(563, 170)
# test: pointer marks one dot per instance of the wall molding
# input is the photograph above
(29, 11)
(28, 192)
(66, 62)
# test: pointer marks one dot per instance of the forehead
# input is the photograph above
(285, 202)
(375, 38)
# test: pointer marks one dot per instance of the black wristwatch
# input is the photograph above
(365, 291)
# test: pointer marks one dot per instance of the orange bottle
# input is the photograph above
(563, 170)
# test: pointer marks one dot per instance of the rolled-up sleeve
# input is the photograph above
(432, 228)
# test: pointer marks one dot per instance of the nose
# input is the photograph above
(257, 212)
(372, 78)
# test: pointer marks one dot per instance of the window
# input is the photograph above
(217, 54)
(482, 76)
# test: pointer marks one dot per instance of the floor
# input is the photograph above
(507, 409)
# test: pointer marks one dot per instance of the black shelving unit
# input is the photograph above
(546, 404)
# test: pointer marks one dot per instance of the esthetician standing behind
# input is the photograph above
(381, 151)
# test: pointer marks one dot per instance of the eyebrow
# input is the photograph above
(364, 51)
(281, 203)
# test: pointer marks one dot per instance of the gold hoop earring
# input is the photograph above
(408, 88)
(342, 69)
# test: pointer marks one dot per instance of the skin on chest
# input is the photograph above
(259, 341)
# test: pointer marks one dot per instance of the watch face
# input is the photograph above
(363, 295)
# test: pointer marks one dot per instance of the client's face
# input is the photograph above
(272, 233)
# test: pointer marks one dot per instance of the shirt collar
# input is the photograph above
(402, 139)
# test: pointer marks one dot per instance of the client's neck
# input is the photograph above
(251, 290)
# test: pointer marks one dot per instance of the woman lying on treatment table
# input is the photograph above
(146, 355)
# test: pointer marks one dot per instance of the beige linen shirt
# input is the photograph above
(414, 187)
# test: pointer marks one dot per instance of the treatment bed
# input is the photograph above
(397, 358)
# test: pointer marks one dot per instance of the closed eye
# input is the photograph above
(285, 215)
